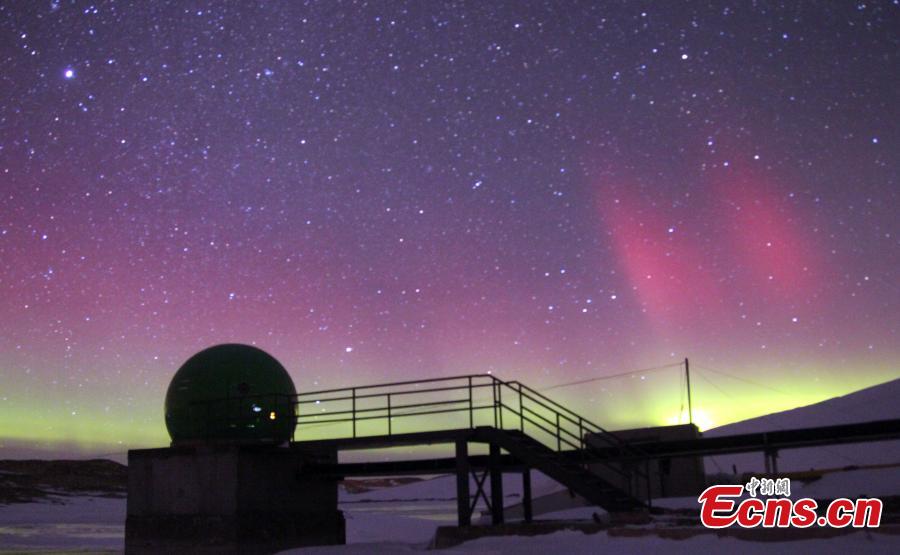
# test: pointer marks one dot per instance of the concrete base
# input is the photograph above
(229, 499)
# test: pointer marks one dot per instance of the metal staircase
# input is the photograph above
(574, 476)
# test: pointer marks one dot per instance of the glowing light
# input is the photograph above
(152, 243)
(668, 271)
(701, 418)
(272, 415)
(765, 231)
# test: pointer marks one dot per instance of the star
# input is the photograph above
(431, 186)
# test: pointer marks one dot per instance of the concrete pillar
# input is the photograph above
(229, 499)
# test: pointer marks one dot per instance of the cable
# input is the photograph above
(600, 378)
(719, 389)
(745, 380)
(822, 447)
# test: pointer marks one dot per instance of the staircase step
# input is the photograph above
(570, 474)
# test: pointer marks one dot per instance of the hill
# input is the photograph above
(880, 402)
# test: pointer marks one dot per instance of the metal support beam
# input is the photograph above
(771, 456)
(462, 483)
(526, 494)
(480, 492)
(496, 485)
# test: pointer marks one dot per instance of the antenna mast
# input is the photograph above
(687, 375)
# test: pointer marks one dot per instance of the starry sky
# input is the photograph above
(375, 191)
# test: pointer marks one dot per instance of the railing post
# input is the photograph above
(389, 413)
(494, 393)
(471, 410)
(353, 409)
(500, 402)
(582, 441)
(521, 410)
(558, 441)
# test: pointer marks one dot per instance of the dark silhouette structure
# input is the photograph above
(230, 393)
(230, 482)
(253, 465)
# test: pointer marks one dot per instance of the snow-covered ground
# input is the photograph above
(572, 542)
(404, 519)
(444, 487)
(869, 482)
(376, 526)
(85, 523)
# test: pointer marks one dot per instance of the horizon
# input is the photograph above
(373, 193)
(19, 449)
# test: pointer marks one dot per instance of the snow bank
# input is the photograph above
(444, 487)
(870, 482)
(96, 524)
(575, 543)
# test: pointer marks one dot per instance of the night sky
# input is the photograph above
(547, 191)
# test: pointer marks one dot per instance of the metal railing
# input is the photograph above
(476, 399)
(464, 401)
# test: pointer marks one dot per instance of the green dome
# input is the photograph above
(231, 393)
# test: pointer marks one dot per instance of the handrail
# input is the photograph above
(373, 395)
(394, 384)
(570, 411)
(597, 428)
(581, 419)
(393, 408)
(384, 417)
